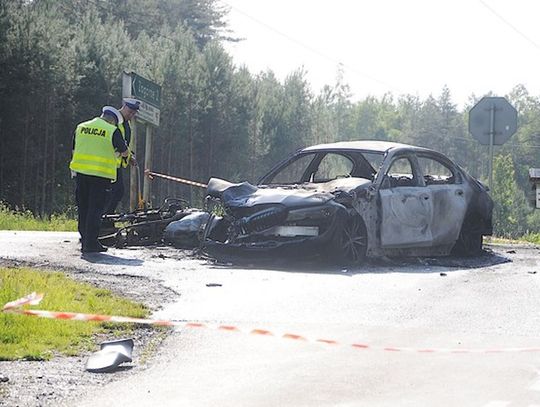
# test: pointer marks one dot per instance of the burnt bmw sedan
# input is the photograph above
(355, 199)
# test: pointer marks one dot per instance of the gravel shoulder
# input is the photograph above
(152, 276)
(49, 383)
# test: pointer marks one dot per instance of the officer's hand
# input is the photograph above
(133, 161)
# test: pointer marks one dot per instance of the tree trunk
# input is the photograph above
(22, 170)
(168, 169)
(46, 125)
(190, 140)
(52, 188)
(2, 149)
(252, 147)
(210, 149)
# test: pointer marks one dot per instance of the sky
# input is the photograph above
(393, 46)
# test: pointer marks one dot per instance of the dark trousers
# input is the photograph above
(116, 193)
(90, 195)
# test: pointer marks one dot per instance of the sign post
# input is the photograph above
(492, 121)
(534, 177)
(149, 93)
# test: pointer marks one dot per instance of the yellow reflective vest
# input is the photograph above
(124, 161)
(94, 152)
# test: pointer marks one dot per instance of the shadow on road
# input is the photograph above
(103, 258)
(317, 264)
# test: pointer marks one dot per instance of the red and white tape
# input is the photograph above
(34, 299)
(152, 174)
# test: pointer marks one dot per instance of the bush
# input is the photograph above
(25, 220)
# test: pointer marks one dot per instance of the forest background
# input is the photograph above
(61, 60)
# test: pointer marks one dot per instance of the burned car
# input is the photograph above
(354, 199)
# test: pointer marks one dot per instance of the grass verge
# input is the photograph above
(32, 338)
(532, 238)
(529, 238)
(25, 220)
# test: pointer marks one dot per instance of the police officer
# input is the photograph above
(129, 109)
(97, 144)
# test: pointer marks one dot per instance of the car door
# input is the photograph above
(406, 205)
(447, 188)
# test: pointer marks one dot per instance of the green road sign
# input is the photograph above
(148, 92)
(145, 90)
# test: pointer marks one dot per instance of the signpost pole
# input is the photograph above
(132, 171)
(491, 137)
(534, 177)
(149, 93)
(147, 162)
(492, 121)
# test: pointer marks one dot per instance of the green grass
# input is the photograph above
(529, 237)
(25, 220)
(532, 238)
(33, 338)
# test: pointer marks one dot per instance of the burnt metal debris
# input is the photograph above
(142, 227)
(346, 200)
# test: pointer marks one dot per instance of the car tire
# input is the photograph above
(351, 241)
(470, 238)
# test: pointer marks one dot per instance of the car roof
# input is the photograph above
(377, 146)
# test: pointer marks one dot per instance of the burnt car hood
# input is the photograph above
(304, 195)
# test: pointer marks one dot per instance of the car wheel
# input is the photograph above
(470, 239)
(352, 241)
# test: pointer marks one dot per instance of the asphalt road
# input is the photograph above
(444, 332)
